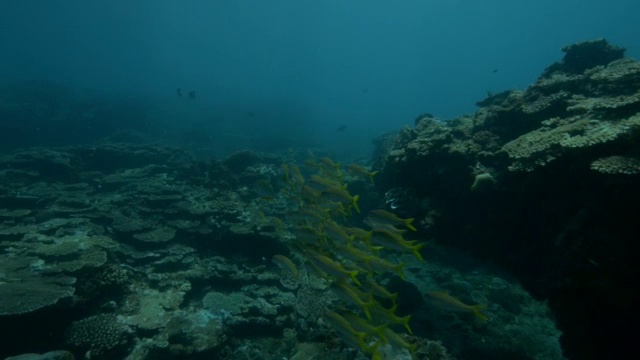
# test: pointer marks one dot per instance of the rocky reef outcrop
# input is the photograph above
(543, 182)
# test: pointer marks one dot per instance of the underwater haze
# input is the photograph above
(271, 75)
(297, 179)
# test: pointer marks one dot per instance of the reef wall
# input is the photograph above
(543, 182)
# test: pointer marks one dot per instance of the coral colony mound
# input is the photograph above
(504, 234)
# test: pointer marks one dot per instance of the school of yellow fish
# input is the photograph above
(349, 258)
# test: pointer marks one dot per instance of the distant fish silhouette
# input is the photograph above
(342, 128)
(192, 95)
(495, 71)
(179, 92)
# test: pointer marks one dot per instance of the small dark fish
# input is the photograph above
(342, 128)
(179, 92)
(192, 95)
(495, 71)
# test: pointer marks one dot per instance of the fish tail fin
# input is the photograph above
(351, 239)
(366, 307)
(354, 202)
(398, 269)
(367, 239)
(373, 350)
(477, 310)
(405, 322)
(393, 297)
(407, 223)
(415, 250)
(353, 275)
(371, 175)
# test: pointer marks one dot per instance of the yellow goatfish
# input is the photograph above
(355, 295)
(332, 267)
(396, 242)
(285, 264)
(443, 300)
(394, 338)
(320, 182)
(342, 195)
(389, 315)
(346, 332)
(379, 290)
(381, 265)
(330, 164)
(357, 170)
(360, 324)
(381, 216)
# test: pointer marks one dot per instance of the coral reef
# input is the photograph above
(555, 164)
(159, 256)
(148, 253)
(524, 325)
(163, 254)
(51, 355)
(104, 335)
(99, 233)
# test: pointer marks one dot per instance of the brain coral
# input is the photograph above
(312, 303)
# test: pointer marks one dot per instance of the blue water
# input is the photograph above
(283, 69)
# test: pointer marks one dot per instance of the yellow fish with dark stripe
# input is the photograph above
(327, 265)
(443, 300)
(382, 216)
(357, 170)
